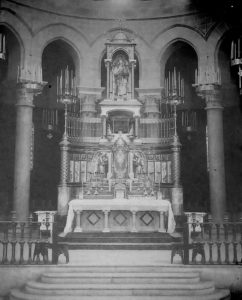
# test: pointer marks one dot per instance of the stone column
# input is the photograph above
(133, 61)
(78, 227)
(162, 222)
(177, 192)
(214, 109)
(133, 229)
(104, 123)
(136, 127)
(106, 221)
(25, 95)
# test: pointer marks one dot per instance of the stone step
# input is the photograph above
(119, 278)
(199, 288)
(216, 295)
(119, 246)
(118, 240)
(120, 282)
(71, 269)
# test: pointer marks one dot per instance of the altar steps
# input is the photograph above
(126, 283)
(118, 240)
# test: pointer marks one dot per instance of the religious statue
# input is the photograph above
(100, 163)
(120, 76)
(120, 154)
(139, 164)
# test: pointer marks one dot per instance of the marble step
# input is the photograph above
(119, 246)
(118, 238)
(135, 289)
(216, 295)
(81, 277)
(120, 283)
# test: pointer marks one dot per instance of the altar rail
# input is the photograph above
(212, 243)
(19, 241)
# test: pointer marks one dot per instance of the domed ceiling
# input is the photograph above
(111, 9)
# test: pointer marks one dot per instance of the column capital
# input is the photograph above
(212, 95)
(26, 90)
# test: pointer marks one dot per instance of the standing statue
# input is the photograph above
(139, 164)
(120, 76)
(100, 162)
(120, 154)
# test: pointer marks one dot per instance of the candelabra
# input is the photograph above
(236, 60)
(66, 91)
(2, 46)
(174, 92)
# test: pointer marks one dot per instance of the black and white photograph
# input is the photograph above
(120, 150)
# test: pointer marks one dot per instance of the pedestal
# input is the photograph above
(177, 200)
(63, 199)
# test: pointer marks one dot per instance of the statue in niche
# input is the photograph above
(120, 156)
(100, 164)
(139, 164)
(120, 69)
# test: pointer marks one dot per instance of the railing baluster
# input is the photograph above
(13, 243)
(235, 259)
(186, 242)
(5, 244)
(21, 243)
(30, 241)
(218, 243)
(226, 243)
(210, 243)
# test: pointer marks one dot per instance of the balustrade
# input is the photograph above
(18, 241)
(221, 243)
(77, 127)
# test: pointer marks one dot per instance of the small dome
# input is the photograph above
(120, 37)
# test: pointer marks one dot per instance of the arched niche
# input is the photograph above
(120, 120)
(103, 72)
(182, 56)
(56, 56)
(49, 125)
(191, 126)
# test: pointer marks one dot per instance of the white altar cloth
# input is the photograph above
(143, 204)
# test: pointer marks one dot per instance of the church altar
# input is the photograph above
(120, 155)
(127, 213)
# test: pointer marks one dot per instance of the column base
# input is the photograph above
(63, 200)
(106, 230)
(177, 200)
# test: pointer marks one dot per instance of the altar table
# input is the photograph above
(146, 204)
